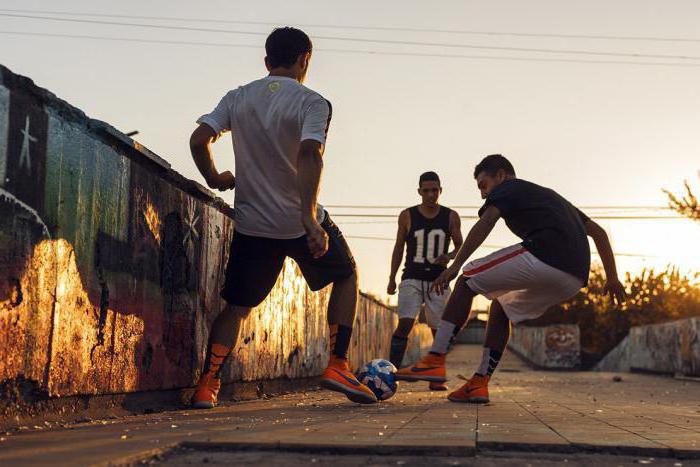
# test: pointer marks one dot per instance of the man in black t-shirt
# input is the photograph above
(550, 266)
(426, 230)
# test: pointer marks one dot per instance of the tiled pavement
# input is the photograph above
(534, 411)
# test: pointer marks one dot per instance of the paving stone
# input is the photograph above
(529, 411)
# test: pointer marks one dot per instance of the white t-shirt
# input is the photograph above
(268, 119)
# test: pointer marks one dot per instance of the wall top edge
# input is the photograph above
(110, 136)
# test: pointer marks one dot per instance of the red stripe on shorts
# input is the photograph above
(495, 262)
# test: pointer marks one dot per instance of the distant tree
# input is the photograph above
(687, 205)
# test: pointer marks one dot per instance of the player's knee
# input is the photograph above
(462, 290)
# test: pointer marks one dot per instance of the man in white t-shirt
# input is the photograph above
(279, 128)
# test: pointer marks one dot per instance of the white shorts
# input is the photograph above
(524, 286)
(413, 293)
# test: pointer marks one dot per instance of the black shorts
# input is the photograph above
(255, 262)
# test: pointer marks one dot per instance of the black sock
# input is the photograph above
(342, 341)
(398, 350)
(489, 362)
(215, 360)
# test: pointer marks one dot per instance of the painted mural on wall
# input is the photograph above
(554, 347)
(100, 259)
(110, 270)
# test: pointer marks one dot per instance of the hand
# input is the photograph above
(442, 260)
(615, 290)
(223, 181)
(441, 284)
(391, 288)
(316, 238)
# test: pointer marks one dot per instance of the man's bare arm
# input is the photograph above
(309, 169)
(200, 142)
(397, 254)
(455, 233)
(475, 238)
(613, 285)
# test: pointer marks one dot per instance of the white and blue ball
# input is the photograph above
(379, 376)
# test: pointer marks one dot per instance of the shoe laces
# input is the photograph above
(469, 380)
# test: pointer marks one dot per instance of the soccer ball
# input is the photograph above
(378, 375)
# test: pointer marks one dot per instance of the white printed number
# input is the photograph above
(435, 245)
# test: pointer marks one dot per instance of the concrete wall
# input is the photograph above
(550, 347)
(669, 348)
(110, 265)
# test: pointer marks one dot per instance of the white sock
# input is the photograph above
(485, 357)
(442, 337)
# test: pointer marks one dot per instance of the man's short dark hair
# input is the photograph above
(284, 45)
(428, 177)
(492, 164)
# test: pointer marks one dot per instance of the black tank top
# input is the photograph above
(426, 241)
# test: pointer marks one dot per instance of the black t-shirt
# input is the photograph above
(551, 228)
(428, 239)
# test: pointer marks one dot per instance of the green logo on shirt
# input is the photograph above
(274, 86)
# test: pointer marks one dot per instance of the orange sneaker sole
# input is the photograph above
(471, 400)
(355, 395)
(203, 405)
(420, 377)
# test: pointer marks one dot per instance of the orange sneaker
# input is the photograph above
(339, 378)
(207, 391)
(474, 391)
(429, 368)
(437, 386)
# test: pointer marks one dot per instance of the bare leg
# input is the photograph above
(459, 304)
(456, 313)
(497, 328)
(497, 334)
(342, 308)
(223, 336)
(342, 305)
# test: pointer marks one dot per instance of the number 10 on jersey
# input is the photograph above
(429, 248)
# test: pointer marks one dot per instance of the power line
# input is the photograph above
(128, 39)
(373, 222)
(355, 51)
(364, 40)
(498, 247)
(396, 206)
(370, 237)
(383, 216)
(370, 28)
(602, 217)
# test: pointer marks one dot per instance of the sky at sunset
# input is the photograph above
(602, 134)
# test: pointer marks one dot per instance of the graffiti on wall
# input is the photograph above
(117, 251)
(555, 347)
(110, 268)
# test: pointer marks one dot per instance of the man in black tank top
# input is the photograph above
(426, 230)
(548, 267)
